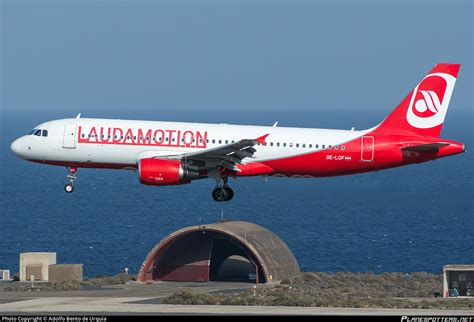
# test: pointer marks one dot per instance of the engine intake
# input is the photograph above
(159, 172)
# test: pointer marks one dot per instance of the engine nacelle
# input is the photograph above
(159, 172)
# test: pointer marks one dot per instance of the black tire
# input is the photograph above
(230, 193)
(69, 188)
(219, 194)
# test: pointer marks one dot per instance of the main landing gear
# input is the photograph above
(71, 176)
(222, 192)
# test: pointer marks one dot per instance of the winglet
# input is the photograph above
(261, 139)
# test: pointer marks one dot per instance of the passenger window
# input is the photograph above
(284, 144)
(291, 145)
(220, 141)
(173, 139)
(278, 143)
(310, 146)
(213, 141)
(322, 146)
(207, 141)
(45, 132)
(343, 147)
(317, 146)
(336, 147)
(83, 135)
(271, 143)
(226, 141)
(134, 137)
(297, 145)
(304, 145)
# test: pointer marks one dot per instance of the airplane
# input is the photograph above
(172, 153)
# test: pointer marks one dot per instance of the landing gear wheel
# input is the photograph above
(71, 176)
(69, 188)
(230, 193)
(219, 194)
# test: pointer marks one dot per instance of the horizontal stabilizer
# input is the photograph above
(431, 147)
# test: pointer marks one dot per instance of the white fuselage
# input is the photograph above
(124, 142)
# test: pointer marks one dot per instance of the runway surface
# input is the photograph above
(147, 300)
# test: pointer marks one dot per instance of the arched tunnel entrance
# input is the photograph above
(228, 251)
(229, 262)
(206, 256)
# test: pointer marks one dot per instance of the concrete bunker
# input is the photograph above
(225, 251)
(458, 280)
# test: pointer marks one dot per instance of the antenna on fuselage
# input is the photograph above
(275, 124)
(78, 116)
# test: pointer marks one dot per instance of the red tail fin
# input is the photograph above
(423, 110)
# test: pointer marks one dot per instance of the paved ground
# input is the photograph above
(146, 299)
(158, 290)
(101, 305)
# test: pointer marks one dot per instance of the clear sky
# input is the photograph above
(236, 55)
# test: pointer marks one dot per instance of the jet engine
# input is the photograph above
(160, 172)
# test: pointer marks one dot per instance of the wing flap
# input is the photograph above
(226, 156)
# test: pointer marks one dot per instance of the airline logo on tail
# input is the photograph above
(430, 100)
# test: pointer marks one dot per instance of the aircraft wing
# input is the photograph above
(226, 156)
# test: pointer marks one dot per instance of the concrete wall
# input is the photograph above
(5, 274)
(65, 273)
(43, 259)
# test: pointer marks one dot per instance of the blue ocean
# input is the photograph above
(415, 218)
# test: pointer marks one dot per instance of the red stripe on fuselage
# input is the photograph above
(343, 159)
(115, 166)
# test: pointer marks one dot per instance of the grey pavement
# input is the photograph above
(146, 299)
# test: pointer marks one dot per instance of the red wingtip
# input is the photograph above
(261, 139)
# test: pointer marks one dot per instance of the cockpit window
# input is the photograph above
(39, 132)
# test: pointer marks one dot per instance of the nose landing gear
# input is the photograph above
(71, 176)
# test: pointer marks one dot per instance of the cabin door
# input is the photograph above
(367, 149)
(69, 140)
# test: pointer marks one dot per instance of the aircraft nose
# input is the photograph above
(17, 147)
